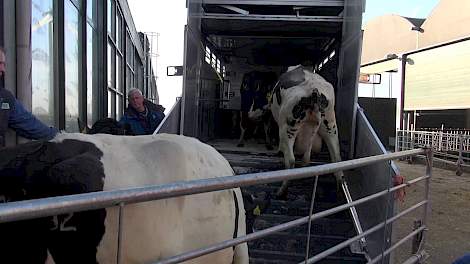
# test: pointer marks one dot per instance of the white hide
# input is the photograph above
(159, 229)
(306, 136)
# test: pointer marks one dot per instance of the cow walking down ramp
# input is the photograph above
(74, 163)
(255, 91)
(303, 105)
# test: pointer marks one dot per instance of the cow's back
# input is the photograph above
(159, 229)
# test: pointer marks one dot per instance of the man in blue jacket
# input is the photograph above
(141, 115)
(13, 115)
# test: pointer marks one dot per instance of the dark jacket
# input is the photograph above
(16, 117)
(140, 124)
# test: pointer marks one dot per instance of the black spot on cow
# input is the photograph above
(327, 125)
(308, 103)
(292, 122)
(44, 169)
(322, 102)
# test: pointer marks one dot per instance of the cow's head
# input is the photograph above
(105, 126)
(41, 169)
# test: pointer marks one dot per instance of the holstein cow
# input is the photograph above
(303, 105)
(255, 89)
(77, 163)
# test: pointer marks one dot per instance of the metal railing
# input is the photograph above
(450, 147)
(171, 122)
(30, 209)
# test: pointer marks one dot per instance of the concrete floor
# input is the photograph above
(449, 222)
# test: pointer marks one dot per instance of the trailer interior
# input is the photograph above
(225, 40)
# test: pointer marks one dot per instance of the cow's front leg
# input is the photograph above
(267, 125)
(243, 127)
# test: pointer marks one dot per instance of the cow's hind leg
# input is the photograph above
(267, 129)
(329, 133)
(286, 145)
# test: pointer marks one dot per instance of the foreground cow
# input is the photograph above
(303, 106)
(77, 163)
(255, 89)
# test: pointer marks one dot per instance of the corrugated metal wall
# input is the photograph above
(439, 78)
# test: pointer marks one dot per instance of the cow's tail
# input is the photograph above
(240, 254)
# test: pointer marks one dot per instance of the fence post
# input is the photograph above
(427, 208)
(411, 146)
(439, 148)
(459, 171)
(416, 242)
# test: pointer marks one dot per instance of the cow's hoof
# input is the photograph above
(240, 145)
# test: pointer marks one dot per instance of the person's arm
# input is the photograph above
(27, 125)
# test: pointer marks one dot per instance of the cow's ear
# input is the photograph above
(82, 126)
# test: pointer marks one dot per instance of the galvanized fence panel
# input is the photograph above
(450, 146)
(15, 211)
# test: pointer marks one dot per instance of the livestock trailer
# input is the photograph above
(225, 39)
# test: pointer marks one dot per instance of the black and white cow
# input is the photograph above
(303, 105)
(78, 163)
(255, 91)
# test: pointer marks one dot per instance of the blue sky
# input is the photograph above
(407, 8)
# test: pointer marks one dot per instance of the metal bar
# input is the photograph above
(355, 216)
(314, 191)
(59, 65)
(367, 232)
(427, 209)
(235, 9)
(329, 19)
(278, 2)
(282, 227)
(88, 201)
(417, 258)
(399, 243)
(176, 107)
(384, 241)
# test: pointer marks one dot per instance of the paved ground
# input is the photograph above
(449, 223)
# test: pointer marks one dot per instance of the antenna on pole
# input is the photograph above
(151, 57)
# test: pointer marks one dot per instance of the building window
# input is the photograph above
(71, 53)
(111, 18)
(116, 66)
(119, 32)
(119, 86)
(42, 60)
(92, 76)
